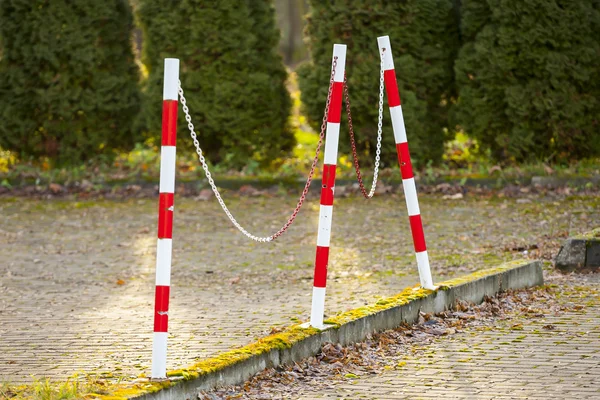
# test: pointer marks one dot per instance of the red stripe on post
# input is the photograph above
(165, 215)
(169, 122)
(416, 226)
(321, 262)
(161, 309)
(406, 169)
(335, 103)
(327, 184)
(391, 87)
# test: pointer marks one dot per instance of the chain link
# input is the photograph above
(215, 190)
(379, 129)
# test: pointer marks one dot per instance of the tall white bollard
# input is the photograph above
(328, 186)
(408, 179)
(165, 218)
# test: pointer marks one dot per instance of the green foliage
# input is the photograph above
(462, 152)
(424, 39)
(529, 78)
(233, 78)
(69, 81)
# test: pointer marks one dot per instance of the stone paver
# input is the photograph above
(534, 362)
(77, 278)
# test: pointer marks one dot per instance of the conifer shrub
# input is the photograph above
(69, 82)
(529, 78)
(424, 40)
(232, 77)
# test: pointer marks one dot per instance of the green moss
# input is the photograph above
(88, 387)
(482, 274)
(593, 234)
(404, 297)
(123, 391)
(276, 341)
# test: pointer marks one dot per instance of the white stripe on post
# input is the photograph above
(325, 218)
(159, 354)
(331, 146)
(339, 51)
(410, 192)
(424, 269)
(318, 307)
(398, 124)
(164, 248)
(171, 79)
(388, 60)
(167, 169)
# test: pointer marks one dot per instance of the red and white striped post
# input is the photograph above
(332, 135)
(408, 179)
(165, 218)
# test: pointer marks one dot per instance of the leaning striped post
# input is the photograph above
(408, 179)
(332, 135)
(165, 218)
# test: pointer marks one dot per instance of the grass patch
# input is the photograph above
(45, 389)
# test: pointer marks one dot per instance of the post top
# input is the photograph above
(386, 48)
(383, 40)
(339, 51)
(171, 79)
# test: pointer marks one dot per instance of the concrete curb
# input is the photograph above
(350, 327)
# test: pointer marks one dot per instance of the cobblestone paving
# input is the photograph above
(554, 357)
(77, 278)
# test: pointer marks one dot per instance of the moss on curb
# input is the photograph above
(278, 341)
(486, 272)
(415, 293)
(404, 297)
(285, 339)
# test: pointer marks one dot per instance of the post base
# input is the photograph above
(323, 327)
(434, 288)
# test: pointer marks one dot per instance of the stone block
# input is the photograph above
(592, 254)
(580, 253)
(571, 256)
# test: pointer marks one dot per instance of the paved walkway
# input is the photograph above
(550, 357)
(77, 279)
(529, 345)
(528, 364)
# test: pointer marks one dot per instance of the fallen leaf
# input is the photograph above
(55, 188)
(455, 196)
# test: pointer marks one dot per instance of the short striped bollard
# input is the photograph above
(165, 218)
(408, 179)
(328, 186)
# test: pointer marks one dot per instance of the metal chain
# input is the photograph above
(379, 129)
(215, 190)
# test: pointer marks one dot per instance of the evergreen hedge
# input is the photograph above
(424, 39)
(529, 78)
(69, 80)
(232, 76)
